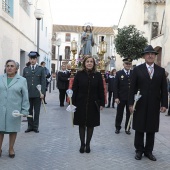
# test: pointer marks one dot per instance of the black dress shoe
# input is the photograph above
(36, 130)
(28, 130)
(128, 132)
(12, 155)
(45, 102)
(88, 149)
(117, 131)
(138, 155)
(150, 156)
(0, 153)
(108, 106)
(61, 105)
(82, 147)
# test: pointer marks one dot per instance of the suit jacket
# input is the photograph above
(13, 97)
(33, 79)
(62, 80)
(122, 85)
(154, 94)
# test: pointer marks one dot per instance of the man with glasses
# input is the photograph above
(121, 92)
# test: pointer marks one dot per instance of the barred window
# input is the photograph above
(7, 6)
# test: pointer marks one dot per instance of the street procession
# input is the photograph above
(84, 86)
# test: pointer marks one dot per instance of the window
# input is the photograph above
(101, 38)
(67, 52)
(25, 5)
(7, 6)
(68, 37)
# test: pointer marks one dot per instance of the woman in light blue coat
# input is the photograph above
(14, 96)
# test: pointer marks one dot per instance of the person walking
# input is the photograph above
(14, 96)
(150, 80)
(88, 97)
(121, 93)
(34, 75)
(111, 80)
(62, 83)
(47, 76)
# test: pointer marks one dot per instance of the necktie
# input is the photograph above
(150, 71)
(127, 73)
(32, 68)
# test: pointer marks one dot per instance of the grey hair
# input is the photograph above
(16, 63)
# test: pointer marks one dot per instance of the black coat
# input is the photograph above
(88, 96)
(122, 85)
(154, 94)
(110, 80)
(62, 80)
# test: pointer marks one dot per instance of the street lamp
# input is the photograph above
(38, 15)
(58, 43)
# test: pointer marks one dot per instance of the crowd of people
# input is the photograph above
(89, 97)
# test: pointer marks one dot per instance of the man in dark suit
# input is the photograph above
(35, 75)
(62, 83)
(121, 94)
(150, 80)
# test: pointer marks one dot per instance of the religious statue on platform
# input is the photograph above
(87, 41)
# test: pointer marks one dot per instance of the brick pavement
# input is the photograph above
(56, 147)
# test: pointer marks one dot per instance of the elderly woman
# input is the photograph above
(14, 96)
(88, 97)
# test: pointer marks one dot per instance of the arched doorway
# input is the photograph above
(159, 56)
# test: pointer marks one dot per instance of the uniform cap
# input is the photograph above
(33, 54)
(129, 60)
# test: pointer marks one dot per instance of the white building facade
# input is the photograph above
(152, 17)
(18, 31)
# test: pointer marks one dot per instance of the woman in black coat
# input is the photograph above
(88, 97)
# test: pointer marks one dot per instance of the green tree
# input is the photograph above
(130, 42)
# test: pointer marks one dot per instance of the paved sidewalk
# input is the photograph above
(56, 147)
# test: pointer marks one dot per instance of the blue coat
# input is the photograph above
(13, 97)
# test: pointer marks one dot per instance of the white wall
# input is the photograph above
(19, 33)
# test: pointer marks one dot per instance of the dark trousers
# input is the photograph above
(119, 115)
(139, 142)
(35, 104)
(62, 94)
(110, 93)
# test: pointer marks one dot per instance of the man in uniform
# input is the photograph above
(121, 93)
(150, 80)
(35, 75)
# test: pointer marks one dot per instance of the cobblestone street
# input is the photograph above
(56, 147)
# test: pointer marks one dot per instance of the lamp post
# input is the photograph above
(58, 43)
(38, 15)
